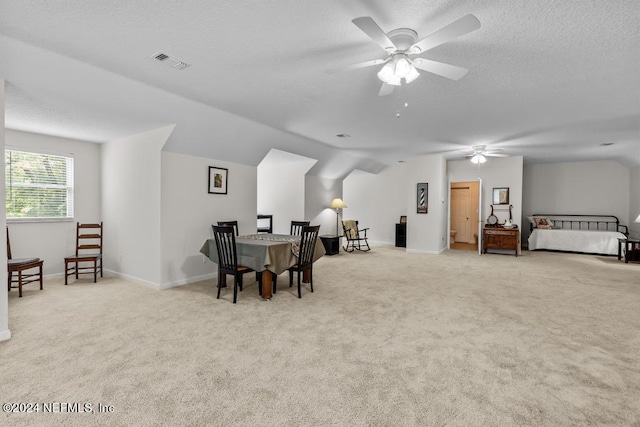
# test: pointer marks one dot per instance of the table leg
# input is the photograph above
(267, 284)
(306, 276)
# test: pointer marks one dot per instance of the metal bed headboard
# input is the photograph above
(585, 222)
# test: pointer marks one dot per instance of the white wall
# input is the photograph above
(5, 333)
(281, 188)
(584, 188)
(131, 184)
(634, 202)
(426, 232)
(188, 211)
(377, 201)
(319, 192)
(52, 241)
(496, 172)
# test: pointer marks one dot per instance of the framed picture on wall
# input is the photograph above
(501, 196)
(218, 180)
(422, 197)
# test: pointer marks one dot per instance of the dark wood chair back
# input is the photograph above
(233, 224)
(226, 246)
(88, 250)
(308, 240)
(296, 227)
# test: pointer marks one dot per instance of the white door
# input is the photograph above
(480, 217)
(460, 213)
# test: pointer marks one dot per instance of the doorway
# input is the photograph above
(463, 220)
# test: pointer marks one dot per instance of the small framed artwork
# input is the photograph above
(501, 196)
(422, 197)
(218, 178)
(403, 219)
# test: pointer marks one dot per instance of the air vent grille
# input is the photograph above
(169, 60)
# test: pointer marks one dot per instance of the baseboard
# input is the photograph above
(133, 279)
(159, 287)
(416, 251)
(5, 335)
(189, 280)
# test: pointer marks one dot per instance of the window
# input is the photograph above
(38, 186)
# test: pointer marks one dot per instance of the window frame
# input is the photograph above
(70, 186)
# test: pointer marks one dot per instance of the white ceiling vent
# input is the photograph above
(169, 60)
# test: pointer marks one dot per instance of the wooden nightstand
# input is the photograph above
(500, 238)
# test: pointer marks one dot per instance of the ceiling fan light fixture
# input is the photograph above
(478, 159)
(413, 74)
(386, 72)
(394, 81)
(403, 67)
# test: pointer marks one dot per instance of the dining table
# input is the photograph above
(265, 253)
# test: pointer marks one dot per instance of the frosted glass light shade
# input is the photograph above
(637, 219)
(413, 74)
(478, 158)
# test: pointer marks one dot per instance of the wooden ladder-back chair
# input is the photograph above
(308, 240)
(228, 260)
(356, 238)
(233, 224)
(296, 227)
(19, 267)
(88, 250)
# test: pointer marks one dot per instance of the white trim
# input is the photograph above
(189, 280)
(134, 280)
(416, 251)
(5, 335)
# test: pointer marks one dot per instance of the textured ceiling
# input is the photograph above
(548, 80)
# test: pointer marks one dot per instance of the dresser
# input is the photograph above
(501, 238)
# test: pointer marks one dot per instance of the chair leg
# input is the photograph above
(220, 276)
(40, 268)
(274, 281)
(95, 271)
(236, 283)
(311, 277)
(20, 283)
(290, 278)
(299, 285)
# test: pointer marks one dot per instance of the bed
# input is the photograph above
(593, 234)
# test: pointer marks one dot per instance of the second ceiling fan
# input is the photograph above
(402, 47)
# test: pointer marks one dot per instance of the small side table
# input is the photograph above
(331, 244)
(631, 250)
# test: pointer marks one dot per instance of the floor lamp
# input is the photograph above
(337, 204)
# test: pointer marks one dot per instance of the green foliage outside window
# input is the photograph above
(38, 185)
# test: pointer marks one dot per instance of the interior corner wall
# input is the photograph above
(376, 201)
(634, 202)
(53, 240)
(496, 172)
(281, 192)
(131, 184)
(319, 192)
(188, 211)
(5, 333)
(584, 188)
(426, 232)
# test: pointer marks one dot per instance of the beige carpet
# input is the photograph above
(387, 339)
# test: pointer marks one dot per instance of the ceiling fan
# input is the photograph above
(402, 47)
(479, 154)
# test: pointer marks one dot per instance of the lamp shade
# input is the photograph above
(337, 204)
(478, 158)
(637, 219)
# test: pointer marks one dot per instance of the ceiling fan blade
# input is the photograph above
(385, 90)
(358, 65)
(462, 26)
(370, 28)
(445, 70)
(495, 154)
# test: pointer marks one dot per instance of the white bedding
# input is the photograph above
(589, 241)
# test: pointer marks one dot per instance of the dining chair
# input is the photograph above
(88, 250)
(304, 263)
(356, 238)
(20, 268)
(296, 227)
(233, 224)
(228, 260)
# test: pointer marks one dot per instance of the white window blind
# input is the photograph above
(38, 186)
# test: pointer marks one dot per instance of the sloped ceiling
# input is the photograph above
(549, 80)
